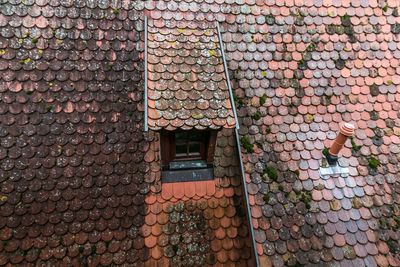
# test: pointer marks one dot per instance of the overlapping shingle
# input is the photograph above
(200, 223)
(302, 70)
(79, 180)
(73, 166)
(298, 70)
(187, 83)
(72, 186)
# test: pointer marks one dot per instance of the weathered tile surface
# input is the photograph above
(299, 68)
(72, 166)
(200, 223)
(79, 179)
(74, 159)
(187, 84)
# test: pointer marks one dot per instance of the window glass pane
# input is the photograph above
(194, 148)
(181, 149)
(181, 136)
(188, 143)
(194, 136)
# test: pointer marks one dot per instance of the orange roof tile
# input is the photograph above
(72, 117)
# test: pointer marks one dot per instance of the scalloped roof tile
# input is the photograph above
(187, 87)
(80, 180)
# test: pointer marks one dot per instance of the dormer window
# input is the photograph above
(187, 101)
(187, 155)
(190, 145)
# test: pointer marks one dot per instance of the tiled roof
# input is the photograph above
(72, 169)
(299, 68)
(200, 223)
(80, 182)
(187, 84)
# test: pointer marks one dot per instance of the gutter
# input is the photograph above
(239, 150)
(146, 123)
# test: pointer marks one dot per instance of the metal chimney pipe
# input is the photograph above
(345, 131)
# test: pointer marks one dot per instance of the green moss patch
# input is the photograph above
(373, 162)
(345, 20)
(239, 102)
(306, 198)
(325, 152)
(302, 64)
(245, 141)
(385, 7)
(263, 99)
(256, 115)
(271, 172)
(49, 108)
(396, 226)
(354, 146)
(311, 47)
(394, 246)
(395, 28)
(270, 19)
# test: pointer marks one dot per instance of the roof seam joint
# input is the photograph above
(227, 76)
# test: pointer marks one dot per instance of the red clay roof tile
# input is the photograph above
(66, 113)
(187, 62)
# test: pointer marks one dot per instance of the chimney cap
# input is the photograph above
(347, 129)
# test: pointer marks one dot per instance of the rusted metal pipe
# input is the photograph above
(345, 131)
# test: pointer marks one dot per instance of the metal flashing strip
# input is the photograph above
(239, 150)
(246, 199)
(227, 76)
(339, 169)
(193, 175)
(146, 123)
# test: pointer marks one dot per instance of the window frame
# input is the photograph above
(168, 147)
(202, 148)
